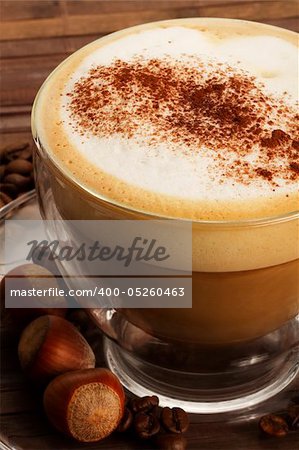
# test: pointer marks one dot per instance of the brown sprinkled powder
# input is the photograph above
(192, 107)
(277, 138)
(295, 145)
(294, 166)
(264, 173)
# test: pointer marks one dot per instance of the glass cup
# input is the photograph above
(238, 345)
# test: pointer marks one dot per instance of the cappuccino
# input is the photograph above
(180, 119)
(193, 119)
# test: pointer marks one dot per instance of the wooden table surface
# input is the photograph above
(35, 37)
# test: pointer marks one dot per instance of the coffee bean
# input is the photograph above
(13, 151)
(126, 421)
(2, 171)
(146, 425)
(20, 181)
(4, 199)
(171, 442)
(293, 417)
(175, 420)
(26, 154)
(273, 425)
(16, 170)
(20, 166)
(146, 403)
(9, 189)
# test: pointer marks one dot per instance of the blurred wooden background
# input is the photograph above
(35, 36)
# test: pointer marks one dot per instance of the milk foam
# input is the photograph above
(158, 168)
(271, 59)
(168, 177)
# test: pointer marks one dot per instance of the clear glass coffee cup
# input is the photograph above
(238, 344)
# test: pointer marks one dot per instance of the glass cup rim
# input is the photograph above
(285, 217)
(268, 220)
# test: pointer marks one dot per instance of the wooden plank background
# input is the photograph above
(35, 36)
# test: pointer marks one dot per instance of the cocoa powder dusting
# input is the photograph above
(264, 173)
(203, 107)
(294, 166)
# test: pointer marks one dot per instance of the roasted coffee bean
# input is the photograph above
(146, 425)
(26, 154)
(2, 155)
(2, 171)
(9, 189)
(21, 166)
(146, 403)
(126, 421)
(156, 411)
(16, 170)
(293, 417)
(20, 181)
(175, 420)
(171, 442)
(5, 199)
(273, 425)
(13, 151)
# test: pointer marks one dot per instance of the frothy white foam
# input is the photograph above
(272, 60)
